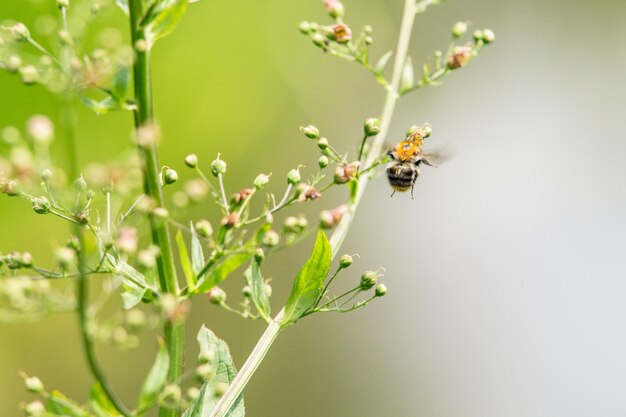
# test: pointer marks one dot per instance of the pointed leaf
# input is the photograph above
(155, 381)
(101, 107)
(257, 285)
(225, 373)
(163, 17)
(408, 76)
(60, 405)
(100, 404)
(197, 255)
(122, 4)
(307, 288)
(121, 81)
(221, 272)
(190, 276)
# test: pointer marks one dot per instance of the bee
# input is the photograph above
(406, 158)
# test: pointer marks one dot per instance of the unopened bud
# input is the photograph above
(271, 238)
(171, 396)
(206, 356)
(35, 409)
(345, 261)
(193, 393)
(310, 131)
(191, 160)
(459, 29)
(488, 36)
(13, 63)
(381, 290)
(66, 258)
(41, 205)
(41, 129)
(478, 35)
(80, 184)
(160, 213)
(322, 143)
(204, 372)
(217, 295)
(34, 385)
(318, 39)
(459, 57)
(218, 167)
(368, 280)
(46, 174)
(19, 31)
(261, 181)
(170, 176)
(323, 161)
(204, 229)
(259, 255)
(246, 291)
(220, 389)
(61, 4)
(305, 27)
(371, 127)
(293, 176)
(29, 74)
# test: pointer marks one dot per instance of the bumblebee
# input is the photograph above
(406, 157)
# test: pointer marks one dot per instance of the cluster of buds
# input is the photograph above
(295, 224)
(460, 55)
(347, 172)
(17, 260)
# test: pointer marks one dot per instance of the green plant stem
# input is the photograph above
(173, 330)
(337, 238)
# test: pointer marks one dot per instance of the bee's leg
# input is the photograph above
(425, 161)
(394, 191)
(416, 174)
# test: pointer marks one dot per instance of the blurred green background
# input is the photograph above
(506, 272)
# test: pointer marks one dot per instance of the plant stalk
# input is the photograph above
(338, 236)
(173, 330)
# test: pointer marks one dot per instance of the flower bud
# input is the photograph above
(305, 27)
(204, 372)
(171, 396)
(66, 258)
(41, 129)
(19, 31)
(310, 131)
(488, 36)
(368, 280)
(217, 295)
(293, 177)
(206, 356)
(160, 213)
(204, 229)
(41, 205)
(308, 193)
(478, 35)
(334, 8)
(459, 29)
(80, 184)
(259, 255)
(220, 389)
(345, 173)
(170, 176)
(371, 127)
(14, 63)
(318, 39)
(427, 130)
(34, 385)
(9, 187)
(191, 160)
(246, 291)
(271, 238)
(193, 393)
(35, 409)
(135, 319)
(322, 143)
(341, 33)
(231, 220)
(459, 57)
(330, 218)
(46, 174)
(63, 4)
(345, 261)
(261, 181)
(29, 74)
(323, 161)
(381, 290)
(218, 167)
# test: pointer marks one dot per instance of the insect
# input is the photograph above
(406, 157)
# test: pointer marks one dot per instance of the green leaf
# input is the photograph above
(155, 381)
(259, 295)
(221, 272)
(101, 107)
(197, 255)
(162, 18)
(121, 81)
(382, 63)
(60, 405)
(307, 288)
(100, 404)
(225, 373)
(122, 4)
(190, 276)
(134, 282)
(408, 76)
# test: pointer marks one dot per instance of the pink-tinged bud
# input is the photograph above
(459, 57)
(341, 33)
(40, 128)
(345, 173)
(127, 240)
(243, 194)
(231, 220)
(335, 8)
(330, 218)
(216, 295)
(309, 193)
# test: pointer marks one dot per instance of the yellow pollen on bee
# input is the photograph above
(407, 149)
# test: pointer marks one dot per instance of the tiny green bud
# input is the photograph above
(19, 31)
(371, 127)
(135, 319)
(46, 174)
(369, 40)
(90, 194)
(34, 385)
(73, 243)
(271, 238)
(204, 372)
(322, 143)
(191, 160)
(323, 161)
(335, 9)
(220, 389)
(171, 396)
(217, 295)
(206, 356)
(488, 36)
(318, 39)
(305, 27)
(427, 130)
(29, 74)
(459, 29)
(293, 176)
(170, 176)
(310, 131)
(41, 205)
(27, 260)
(259, 255)
(478, 35)
(204, 229)
(35, 409)
(368, 280)
(246, 291)
(65, 257)
(61, 4)
(14, 63)
(345, 261)
(218, 167)
(261, 181)
(381, 290)
(80, 184)
(268, 289)
(193, 393)
(160, 213)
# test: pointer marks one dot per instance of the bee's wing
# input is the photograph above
(437, 156)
